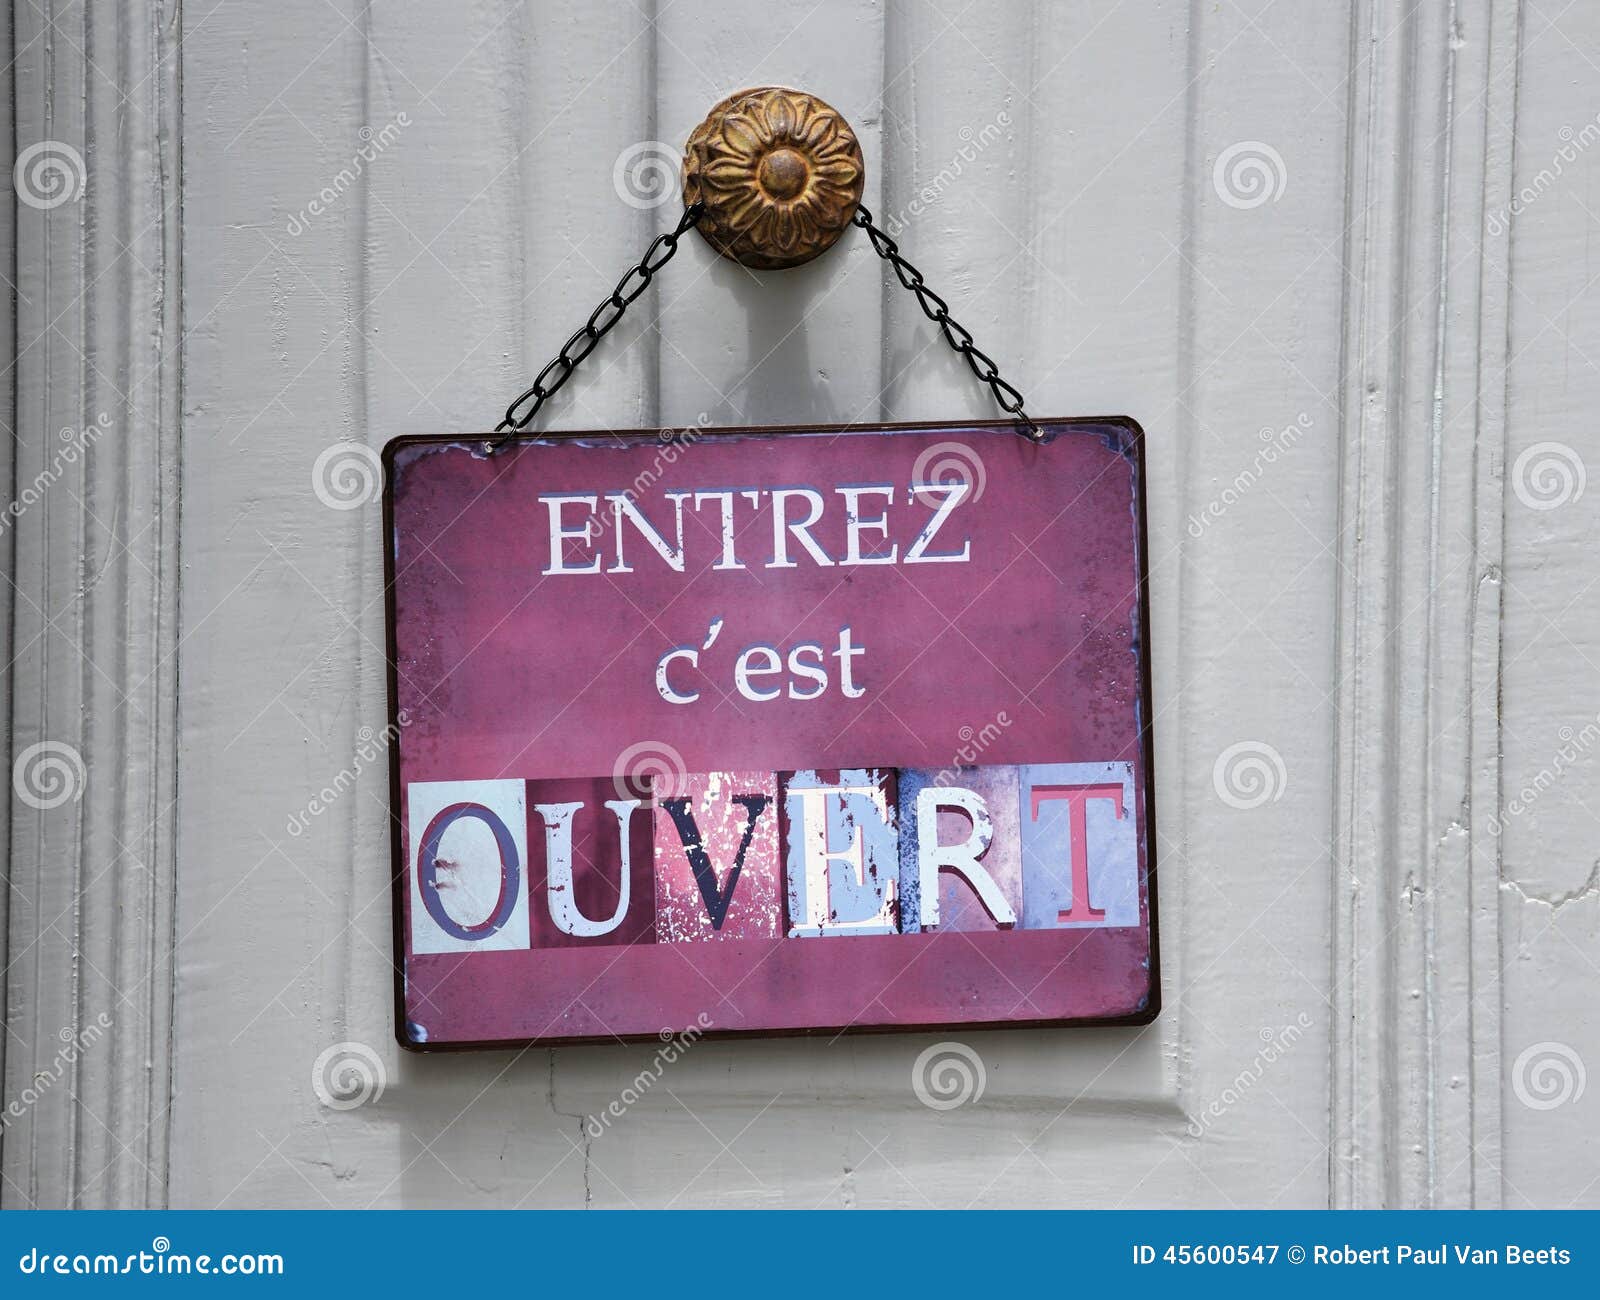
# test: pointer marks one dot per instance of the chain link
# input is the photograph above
(956, 334)
(600, 323)
(520, 414)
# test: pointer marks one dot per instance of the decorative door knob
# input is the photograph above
(780, 174)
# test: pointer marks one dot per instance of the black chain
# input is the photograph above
(956, 334)
(637, 279)
(601, 320)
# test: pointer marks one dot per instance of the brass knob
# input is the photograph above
(780, 174)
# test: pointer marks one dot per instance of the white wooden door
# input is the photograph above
(1333, 257)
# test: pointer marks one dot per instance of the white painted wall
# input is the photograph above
(1383, 606)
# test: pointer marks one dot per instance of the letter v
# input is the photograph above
(705, 875)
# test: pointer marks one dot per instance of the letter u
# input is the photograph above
(558, 867)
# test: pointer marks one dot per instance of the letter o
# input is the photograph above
(428, 869)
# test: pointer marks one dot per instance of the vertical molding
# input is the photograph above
(88, 986)
(10, 301)
(1415, 1086)
(1489, 352)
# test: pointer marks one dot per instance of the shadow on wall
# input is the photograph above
(780, 385)
(890, 1118)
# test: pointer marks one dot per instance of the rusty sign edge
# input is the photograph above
(1133, 447)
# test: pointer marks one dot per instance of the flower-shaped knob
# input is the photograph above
(780, 174)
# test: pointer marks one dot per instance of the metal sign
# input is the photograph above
(769, 731)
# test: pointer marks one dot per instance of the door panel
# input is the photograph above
(1222, 223)
(1550, 720)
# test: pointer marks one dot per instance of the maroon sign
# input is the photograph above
(769, 731)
